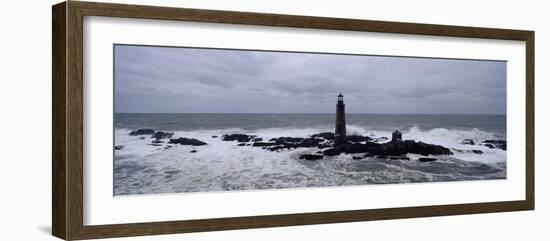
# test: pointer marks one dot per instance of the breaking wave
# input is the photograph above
(220, 166)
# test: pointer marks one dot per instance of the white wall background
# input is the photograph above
(25, 122)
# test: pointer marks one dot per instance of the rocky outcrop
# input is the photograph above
(379, 139)
(479, 152)
(311, 157)
(394, 148)
(263, 144)
(493, 144)
(468, 142)
(499, 144)
(361, 146)
(162, 135)
(427, 159)
(281, 143)
(140, 132)
(287, 140)
(354, 144)
(158, 135)
(402, 157)
(356, 138)
(238, 137)
(187, 142)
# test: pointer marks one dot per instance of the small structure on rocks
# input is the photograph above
(396, 136)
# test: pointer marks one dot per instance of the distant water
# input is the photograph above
(141, 168)
(382, 122)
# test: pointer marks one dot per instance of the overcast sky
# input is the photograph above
(188, 80)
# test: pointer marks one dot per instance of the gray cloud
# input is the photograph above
(190, 80)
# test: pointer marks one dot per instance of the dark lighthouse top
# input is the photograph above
(340, 127)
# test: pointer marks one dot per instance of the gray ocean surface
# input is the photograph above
(143, 168)
(489, 123)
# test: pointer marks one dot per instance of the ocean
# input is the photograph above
(143, 168)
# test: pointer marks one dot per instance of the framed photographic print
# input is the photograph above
(171, 120)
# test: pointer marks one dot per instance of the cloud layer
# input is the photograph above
(190, 80)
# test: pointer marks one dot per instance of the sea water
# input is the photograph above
(142, 168)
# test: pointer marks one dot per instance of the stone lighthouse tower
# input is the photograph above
(340, 129)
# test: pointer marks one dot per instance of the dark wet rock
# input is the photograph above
(427, 159)
(193, 151)
(187, 142)
(358, 157)
(355, 144)
(142, 138)
(119, 147)
(157, 141)
(468, 142)
(356, 138)
(310, 142)
(325, 145)
(379, 139)
(155, 144)
(368, 147)
(489, 145)
(281, 143)
(238, 137)
(321, 141)
(457, 150)
(140, 132)
(324, 135)
(276, 147)
(162, 135)
(262, 144)
(477, 152)
(286, 140)
(423, 148)
(499, 144)
(311, 157)
(214, 136)
(394, 157)
(389, 149)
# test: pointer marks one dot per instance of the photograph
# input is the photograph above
(190, 119)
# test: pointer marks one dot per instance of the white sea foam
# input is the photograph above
(222, 165)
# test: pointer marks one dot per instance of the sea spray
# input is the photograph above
(220, 166)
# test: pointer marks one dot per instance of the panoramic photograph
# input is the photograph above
(209, 120)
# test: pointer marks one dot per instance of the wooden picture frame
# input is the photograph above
(67, 138)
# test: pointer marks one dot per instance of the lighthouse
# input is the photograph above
(340, 128)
